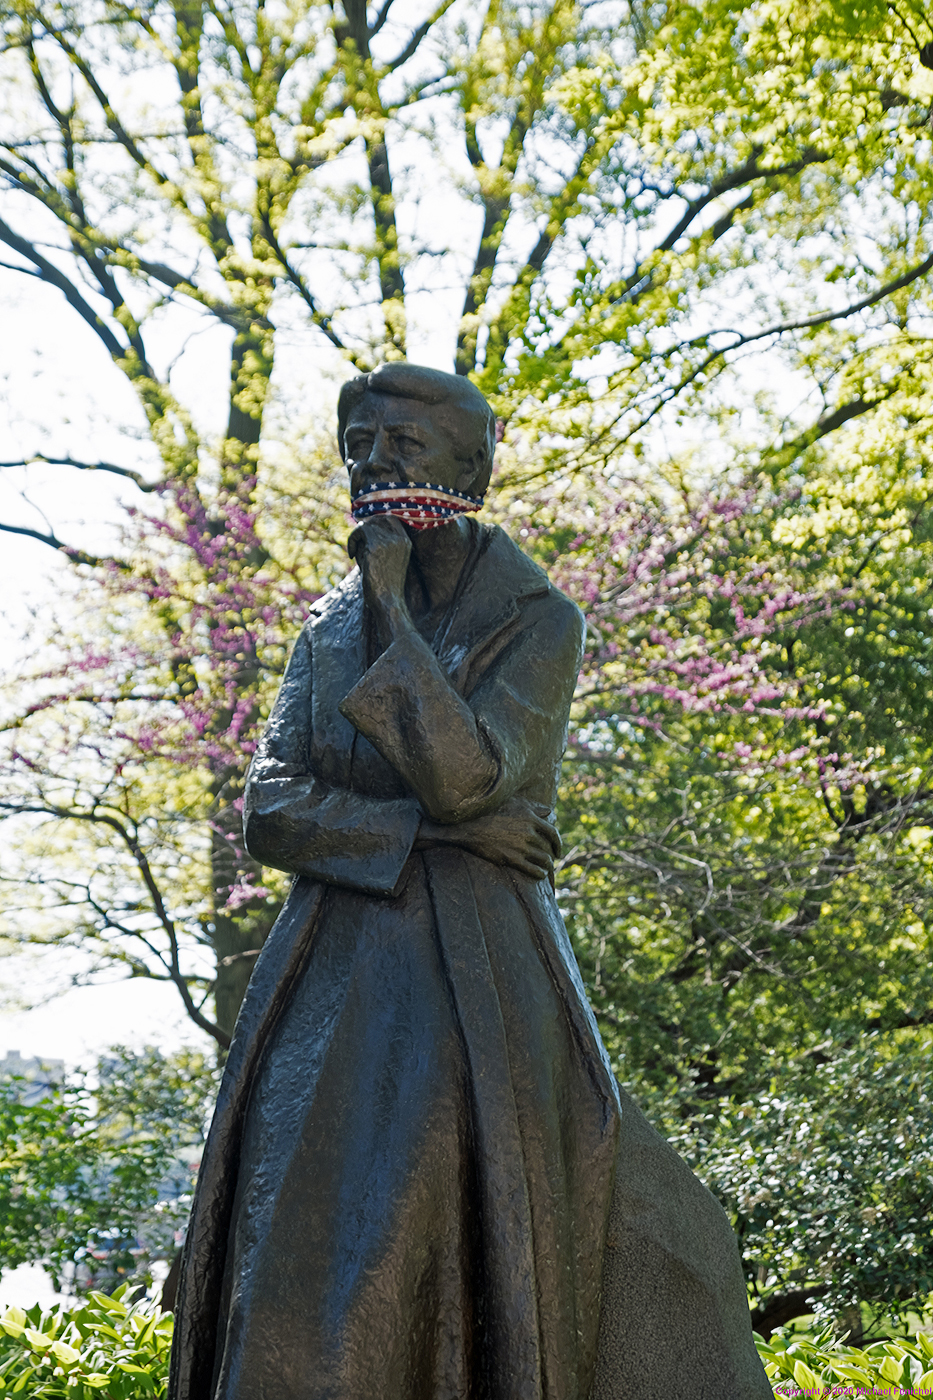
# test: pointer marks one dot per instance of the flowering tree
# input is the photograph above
(132, 756)
(624, 174)
(747, 798)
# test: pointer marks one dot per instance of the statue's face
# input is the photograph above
(392, 439)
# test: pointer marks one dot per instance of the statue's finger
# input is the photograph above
(551, 835)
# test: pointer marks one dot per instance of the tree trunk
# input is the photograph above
(239, 925)
(238, 933)
(780, 1310)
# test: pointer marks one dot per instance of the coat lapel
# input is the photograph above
(482, 619)
(488, 609)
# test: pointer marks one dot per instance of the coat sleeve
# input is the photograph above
(294, 822)
(463, 758)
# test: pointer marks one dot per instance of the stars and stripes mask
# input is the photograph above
(419, 504)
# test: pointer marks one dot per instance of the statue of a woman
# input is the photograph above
(421, 1179)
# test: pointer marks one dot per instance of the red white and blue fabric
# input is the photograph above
(420, 504)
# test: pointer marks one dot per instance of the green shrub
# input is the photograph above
(826, 1176)
(827, 1367)
(100, 1349)
(96, 1172)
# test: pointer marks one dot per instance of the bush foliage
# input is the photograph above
(827, 1177)
(96, 1174)
(798, 1365)
(102, 1348)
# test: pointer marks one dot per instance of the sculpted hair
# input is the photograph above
(465, 416)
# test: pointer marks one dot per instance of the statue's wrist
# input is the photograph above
(393, 618)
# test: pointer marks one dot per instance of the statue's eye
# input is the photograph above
(359, 446)
(408, 445)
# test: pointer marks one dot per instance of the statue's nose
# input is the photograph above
(381, 457)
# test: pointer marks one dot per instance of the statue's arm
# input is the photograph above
(294, 822)
(465, 758)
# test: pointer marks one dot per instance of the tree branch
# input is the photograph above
(380, 19)
(638, 281)
(411, 47)
(778, 1311)
(77, 556)
(751, 170)
(319, 317)
(820, 318)
(155, 894)
(130, 475)
(51, 274)
(827, 423)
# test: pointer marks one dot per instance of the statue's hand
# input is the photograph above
(519, 834)
(382, 550)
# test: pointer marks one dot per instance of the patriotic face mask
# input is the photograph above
(419, 504)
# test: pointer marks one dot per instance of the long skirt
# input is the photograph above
(427, 1157)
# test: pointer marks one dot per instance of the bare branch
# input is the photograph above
(131, 842)
(53, 275)
(77, 556)
(412, 46)
(822, 318)
(239, 957)
(130, 475)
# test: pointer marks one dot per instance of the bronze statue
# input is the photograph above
(422, 1182)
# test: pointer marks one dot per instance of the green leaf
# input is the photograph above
(13, 1321)
(805, 1377)
(851, 1373)
(65, 1354)
(148, 1330)
(111, 1305)
(890, 1369)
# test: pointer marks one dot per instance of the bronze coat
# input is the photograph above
(407, 1182)
(416, 1147)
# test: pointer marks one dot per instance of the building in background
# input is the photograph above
(37, 1075)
